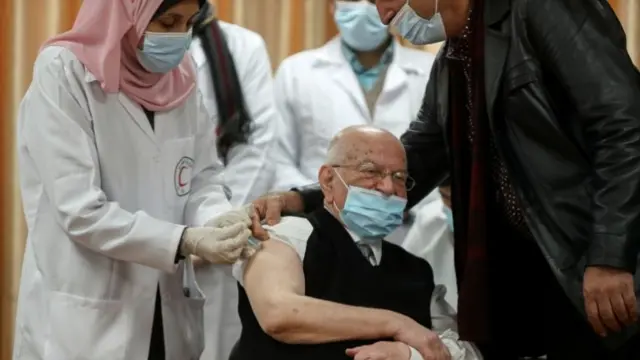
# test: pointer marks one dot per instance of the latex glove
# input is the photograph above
(243, 214)
(247, 252)
(239, 215)
(246, 214)
(236, 216)
(223, 245)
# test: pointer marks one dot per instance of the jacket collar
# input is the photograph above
(495, 11)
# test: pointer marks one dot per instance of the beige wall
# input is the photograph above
(629, 13)
(288, 26)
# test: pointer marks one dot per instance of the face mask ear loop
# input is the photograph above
(341, 179)
(336, 207)
(345, 185)
(436, 9)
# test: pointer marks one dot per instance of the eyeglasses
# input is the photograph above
(371, 172)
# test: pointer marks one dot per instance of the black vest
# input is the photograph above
(336, 270)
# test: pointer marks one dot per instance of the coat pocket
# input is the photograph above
(83, 328)
(186, 315)
(194, 329)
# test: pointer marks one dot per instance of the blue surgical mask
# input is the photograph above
(370, 214)
(360, 25)
(417, 30)
(162, 52)
(448, 217)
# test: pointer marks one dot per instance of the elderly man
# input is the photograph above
(301, 294)
(362, 76)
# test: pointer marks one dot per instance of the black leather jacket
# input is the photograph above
(563, 98)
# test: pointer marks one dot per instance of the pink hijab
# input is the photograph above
(104, 38)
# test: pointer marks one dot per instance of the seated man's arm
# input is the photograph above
(274, 282)
(444, 323)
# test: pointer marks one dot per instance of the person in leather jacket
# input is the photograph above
(533, 109)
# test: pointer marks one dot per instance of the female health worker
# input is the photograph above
(120, 181)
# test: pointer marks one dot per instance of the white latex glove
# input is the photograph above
(237, 215)
(245, 214)
(247, 252)
(222, 245)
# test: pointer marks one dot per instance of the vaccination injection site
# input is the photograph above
(320, 180)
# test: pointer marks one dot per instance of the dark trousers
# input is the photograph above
(156, 345)
(531, 315)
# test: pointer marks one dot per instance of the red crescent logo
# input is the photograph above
(180, 182)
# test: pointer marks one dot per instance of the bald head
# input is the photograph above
(355, 143)
(366, 157)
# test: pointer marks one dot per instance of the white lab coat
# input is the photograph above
(102, 194)
(249, 173)
(398, 236)
(431, 239)
(318, 94)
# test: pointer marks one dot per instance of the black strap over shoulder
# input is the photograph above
(234, 122)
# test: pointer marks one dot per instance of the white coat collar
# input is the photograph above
(89, 77)
(331, 55)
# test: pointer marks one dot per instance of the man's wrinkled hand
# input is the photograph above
(610, 301)
(427, 342)
(382, 350)
(270, 207)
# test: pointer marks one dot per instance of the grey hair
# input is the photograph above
(336, 153)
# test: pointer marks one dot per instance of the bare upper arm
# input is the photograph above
(275, 274)
(271, 274)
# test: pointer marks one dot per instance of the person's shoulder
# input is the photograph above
(58, 70)
(421, 58)
(551, 9)
(294, 231)
(241, 38)
(429, 212)
(58, 62)
(243, 44)
(300, 61)
(292, 227)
